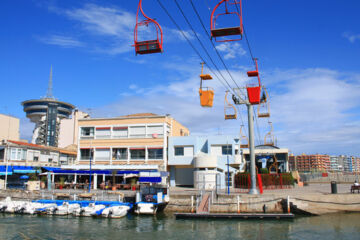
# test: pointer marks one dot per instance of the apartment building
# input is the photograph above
(335, 163)
(131, 142)
(17, 154)
(307, 163)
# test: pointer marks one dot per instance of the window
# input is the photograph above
(87, 132)
(102, 154)
(103, 132)
(18, 154)
(154, 131)
(155, 153)
(137, 154)
(179, 151)
(85, 154)
(119, 154)
(137, 132)
(50, 160)
(36, 159)
(120, 132)
(226, 150)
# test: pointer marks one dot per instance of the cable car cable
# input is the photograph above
(209, 37)
(257, 127)
(192, 46)
(202, 45)
(247, 40)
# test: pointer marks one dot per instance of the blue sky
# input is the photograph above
(308, 53)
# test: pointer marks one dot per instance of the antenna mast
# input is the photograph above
(49, 93)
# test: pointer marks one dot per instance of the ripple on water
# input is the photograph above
(336, 226)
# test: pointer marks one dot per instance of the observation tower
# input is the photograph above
(47, 113)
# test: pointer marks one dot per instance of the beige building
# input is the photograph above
(9, 127)
(68, 134)
(131, 142)
(18, 153)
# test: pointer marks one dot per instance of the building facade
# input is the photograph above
(46, 113)
(9, 127)
(69, 128)
(203, 161)
(16, 153)
(132, 142)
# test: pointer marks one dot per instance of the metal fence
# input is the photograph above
(268, 181)
(328, 177)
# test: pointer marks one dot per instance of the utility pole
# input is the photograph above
(253, 189)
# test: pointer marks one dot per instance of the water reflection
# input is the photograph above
(340, 226)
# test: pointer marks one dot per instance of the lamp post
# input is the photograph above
(91, 152)
(7, 165)
(228, 169)
(228, 175)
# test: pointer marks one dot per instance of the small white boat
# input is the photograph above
(115, 211)
(20, 207)
(31, 207)
(89, 210)
(45, 208)
(4, 204)
(65, 209)
(151, 199)
(13, 206)
(146, 208)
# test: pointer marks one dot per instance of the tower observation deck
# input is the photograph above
(47, 113)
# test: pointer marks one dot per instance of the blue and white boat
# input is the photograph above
(151, 199)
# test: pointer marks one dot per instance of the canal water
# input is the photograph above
(336, 226)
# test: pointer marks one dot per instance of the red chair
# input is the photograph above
(254, 90)
(151, 45)
(220, 32)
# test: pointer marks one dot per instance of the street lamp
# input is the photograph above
(91, 152)
(7, 165)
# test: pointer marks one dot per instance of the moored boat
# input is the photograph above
(115, 211)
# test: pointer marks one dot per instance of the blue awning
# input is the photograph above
(50, 169)
(150, 179)
(24, 169)
(128, 172)
(87, 172)
(3, 170)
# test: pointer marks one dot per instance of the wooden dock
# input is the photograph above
(234, 215)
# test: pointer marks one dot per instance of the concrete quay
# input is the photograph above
(315, 199)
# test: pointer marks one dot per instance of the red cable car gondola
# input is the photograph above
(229, 31)
(148, 46)
(253, 91)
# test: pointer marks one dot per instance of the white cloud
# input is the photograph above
(112, 28)
(232, 50)
(312, 110)
(62, 41)
(351, 37)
